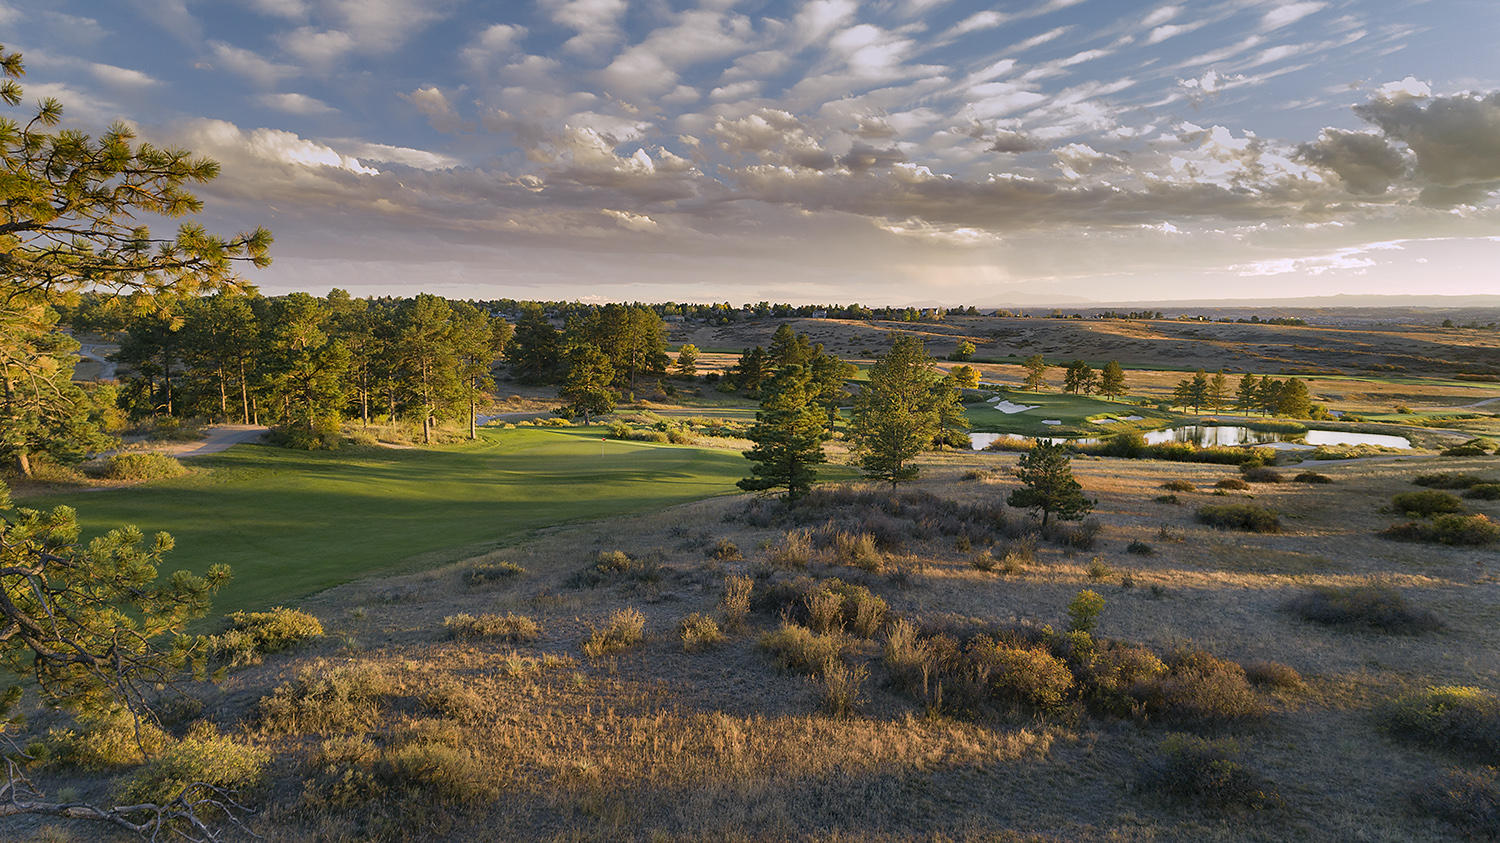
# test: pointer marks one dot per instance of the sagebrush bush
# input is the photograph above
(1026, 675)
(1171, 499)
(1273, 675)
(348, 698)
(1240, 516)
(624, 629)
(252, 635)
(1198, 688)
(857, 550)
(1426, 502)
(841, 687)
(1098, 570)
(1261, 474)
(100, 741)
(1453, 717)
(1451, 529)
(1080, 535)
(1233, 483)
(1312, 477)
(798, 648)
(793, 551)
(735, 603)
(203, 755)
(1139, 548)
(140, 466)
(1208, 774)
(725, 551)
(1448, 480)
(483, 576)
(1179, 486)
(1376, 606)
(908, 658)
(507, 627)
(1484, 492)
(614, 565)
(699, 632)
(984, 561)
(1468, 799)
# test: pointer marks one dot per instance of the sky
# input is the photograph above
(888, 152)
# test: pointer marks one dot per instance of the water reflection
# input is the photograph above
(1225, 435)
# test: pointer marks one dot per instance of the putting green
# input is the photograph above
(1072, 410)
(290, 523)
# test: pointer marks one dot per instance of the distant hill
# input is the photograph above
(1339, 301)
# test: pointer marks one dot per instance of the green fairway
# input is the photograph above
(1072, 410)
(290, 523)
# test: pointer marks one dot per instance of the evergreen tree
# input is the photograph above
(41, 410)
(952, 428)
(964, 377)
(534, 351)
(788, 348)
(587, 383)
(1078, 378)
(1048, 486)
(893, 416)
(752, 369)
(1198, 390)
(789, 431)
(1293, 399)
(1112, 380)
(304, 368)
(963, 352)
(476, 341)
(1218, 391)
(1268, 395)
(827, 378)
(425, 347)
(687, 360)
(1036, 372)
(1246, 398)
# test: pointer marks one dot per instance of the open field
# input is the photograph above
(290, 523)
(1072, 410)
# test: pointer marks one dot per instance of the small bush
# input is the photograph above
(1098, 571)
(252, 635)
(1240, 516)
(625, 629)
(984, 561)
(1013, 563)
(725, 551)
(1206, 773)
(1453, 717)
(1312, 477)
(507, 627)
(1261, 474)
(1198, 688)
(103, 740)
(483, 576)
(735, 604)
(1171, 499)
(135, 467)
(1084, 610)
(798, 648)
(841, 687)
(656, 436)
(699, 632)
(678, 436)
(618, 565)
(1447, 480)
(1464, 451)
(1426, 502)
(1026, 675)
(1080, 535)
(344, 699)
(1375, 606)
(1273, 675)
(204, 756)
(1179, 486)
(908, 657)
(1232, 484)
(1451, 529)
(794, 550)
(1468, 799)
(857, 550)
(1139, 548)
(1484, 492)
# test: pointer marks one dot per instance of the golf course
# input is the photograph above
(290, 523)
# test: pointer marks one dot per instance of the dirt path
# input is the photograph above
(221, 438)
(107, 368)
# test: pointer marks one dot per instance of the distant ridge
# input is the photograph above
(1426, 302)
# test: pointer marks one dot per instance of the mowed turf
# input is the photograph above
(1072, 410)
(290, 523)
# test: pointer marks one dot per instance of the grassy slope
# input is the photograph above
(290, 523)
(1071, 410)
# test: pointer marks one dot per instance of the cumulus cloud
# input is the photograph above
(299, 104)
(1453, 138)
(596, 23)
(434, 105)
(249, 64)
(226, 140)
(1364, 161)
(1007, 141)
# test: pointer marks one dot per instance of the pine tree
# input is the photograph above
(1268, 395)
(1112, 380)
(964, 351)
(952, 421)
(1293, 399)
(1198, 390)
(964, 377)
(687, 360)
(894, 420)
(1048, 486)
(1036, 372)
(1218, 391)
(752, 369)
(788, 348)
(1246, 398)
(587, 383)
(789, 432)
(534, 351)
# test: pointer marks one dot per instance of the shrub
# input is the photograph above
(800, 649)
(1453, 717)
(1376, 606)
(1484, 492)
(1027, 675)
(1261, 474)
(1084, 610)
(507, 627)
(1139, 548)
(794, 550)
(203, 755)
(699, 632)
(679, 436)
(1426, 502)
(656, 436)
(841, 687)
(1197, 687)
(1464, 451)
(103, 740)
(1273, 675)
(1206, 773)
(483, 576)
(348, 698)
(617, 565)
(1080, 535)
(625, 629)
(1469, 799)
(252, 635)
(984, 561)
(1172, 499)
(725, 551)
(825, 611)
(1098, 570)
(837, 606)
(1312, 477)
(908, 657)
(1240, 516)
(1232, 483)
(134, 467)
(735, 604)
(1013, 563)
(1447, 480)
(1179, 486)
(858, 550)
(1451, 529)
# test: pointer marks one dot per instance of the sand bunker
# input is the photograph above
(1005, 406)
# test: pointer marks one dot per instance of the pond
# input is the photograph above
(1228, 435)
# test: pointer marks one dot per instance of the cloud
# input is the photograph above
(299, 104)
(250, 65)
(1453, 138)
(319, 48)
(121, 77)
(631, 221)
(434, 105)
(494, 43)
(1365, 162)
(595, 22)
(1012, 142)
(223, 139)
(417, 159)
(1405, 89)
(1288, 14)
